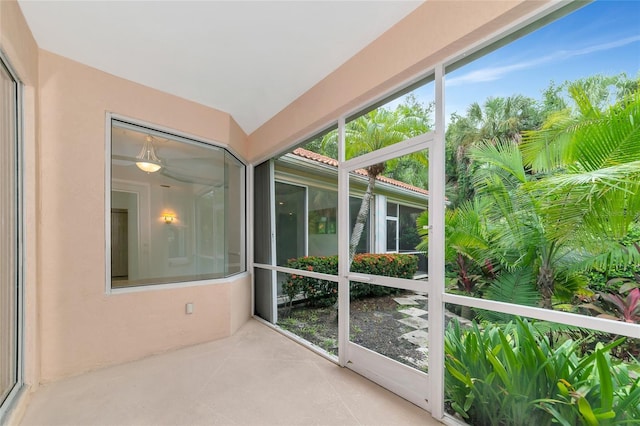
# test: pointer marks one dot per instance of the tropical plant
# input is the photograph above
(498, 119)
(372, 131)
(592, 192)
(561, 201)
(625, 308)
(598, 391)
(518, 228)
(513, 375)
(468, 243)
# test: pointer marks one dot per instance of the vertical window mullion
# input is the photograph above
(11, 243)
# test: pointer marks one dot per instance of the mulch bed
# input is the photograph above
(373, 322)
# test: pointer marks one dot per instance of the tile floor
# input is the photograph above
(255, 377)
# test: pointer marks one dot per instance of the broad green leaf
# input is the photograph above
(606, 384)
(587, 414)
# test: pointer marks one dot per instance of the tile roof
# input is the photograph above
(310, 155)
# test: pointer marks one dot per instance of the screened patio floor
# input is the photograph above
(255, 377)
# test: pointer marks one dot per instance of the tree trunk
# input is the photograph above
(545, 285)
(361, 219)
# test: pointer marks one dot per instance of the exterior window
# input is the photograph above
(408, 238)
(392, 227)
(176, 210)
(290, 222)
(10, 241)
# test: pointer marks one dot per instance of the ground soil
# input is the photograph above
(373, 321)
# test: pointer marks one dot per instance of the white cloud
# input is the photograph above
(495, 73)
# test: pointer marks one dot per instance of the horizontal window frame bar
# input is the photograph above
(406, 147)
(559, 317)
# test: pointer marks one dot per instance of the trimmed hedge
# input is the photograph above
(325, 293)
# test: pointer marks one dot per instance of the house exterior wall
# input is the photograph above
(317, 177)
(433, 32)
(82, 327)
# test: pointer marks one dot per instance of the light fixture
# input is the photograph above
(168, 218)
(148, 161)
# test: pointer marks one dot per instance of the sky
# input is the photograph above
(602, 37)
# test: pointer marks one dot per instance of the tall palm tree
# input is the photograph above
(574, 216)
(370, 132)
(598, 154)
(497, 119)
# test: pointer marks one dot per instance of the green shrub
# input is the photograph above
(324, 293)
(317, 292)
(609, 280)
(512, 375)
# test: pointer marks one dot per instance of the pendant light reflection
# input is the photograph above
(148, 161)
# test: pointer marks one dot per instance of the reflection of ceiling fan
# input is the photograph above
(148, 161)
(182, 170)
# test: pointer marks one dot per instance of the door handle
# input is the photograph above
(358, 278)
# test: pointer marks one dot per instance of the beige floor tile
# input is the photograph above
(256, 377)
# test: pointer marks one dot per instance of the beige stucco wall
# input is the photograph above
(20, 50)
(435, 31)
(83, 328)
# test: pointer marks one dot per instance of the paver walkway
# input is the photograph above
(417, 319)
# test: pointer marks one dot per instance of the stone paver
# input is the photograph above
(414, 312)
(405, 301)
(420, 363)
(418, 297)
(415, 322)
(417, 337)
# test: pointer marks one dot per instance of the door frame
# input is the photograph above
(408, 382)
(18, 388)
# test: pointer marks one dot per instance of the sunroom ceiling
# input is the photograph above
(249, 59)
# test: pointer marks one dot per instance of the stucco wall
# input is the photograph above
(83, 328)
(433, 32)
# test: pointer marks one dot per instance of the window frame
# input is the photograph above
(110, 117)
(8, 403)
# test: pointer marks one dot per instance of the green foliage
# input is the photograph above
(561, 202)
(610, 278)
(316, 292)
(517, 287)
(513, 375)
(319, 292)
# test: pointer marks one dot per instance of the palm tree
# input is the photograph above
(573, 218)
(468, 242)
(370, 132)
(497, 119)
(598, 187)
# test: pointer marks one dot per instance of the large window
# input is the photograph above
(176, 208)
(10, 241)
(538, 125)
(534, 249)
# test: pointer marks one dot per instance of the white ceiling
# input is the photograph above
(248, 58)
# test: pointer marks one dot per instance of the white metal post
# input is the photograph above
(436, 253)
(343, 248)
(274, 254)
(250, 217)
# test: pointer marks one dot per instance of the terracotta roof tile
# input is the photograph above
(304, 153)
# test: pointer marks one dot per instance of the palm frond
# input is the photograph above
(517, 287)
(503, 157)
